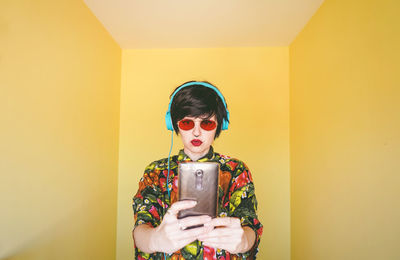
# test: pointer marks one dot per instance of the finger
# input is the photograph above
(227, 233)
(221, 240)
(180, 205)
(224, 233)
(194, 221)
(193, 233)
(184, 235)
(176, 225)
(227, 221)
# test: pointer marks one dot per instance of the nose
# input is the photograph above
(196, 129)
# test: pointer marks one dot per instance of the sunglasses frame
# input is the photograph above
(202, 125)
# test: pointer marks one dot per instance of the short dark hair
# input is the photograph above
(197, 100)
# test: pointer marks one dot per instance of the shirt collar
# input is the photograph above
(182, 157)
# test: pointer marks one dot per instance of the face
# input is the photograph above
(197, 140)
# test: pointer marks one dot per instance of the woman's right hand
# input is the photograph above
(170, 235)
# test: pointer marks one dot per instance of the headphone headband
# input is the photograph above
(168, 119)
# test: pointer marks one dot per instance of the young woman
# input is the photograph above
(197, 113)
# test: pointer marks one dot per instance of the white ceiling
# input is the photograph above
(138, 24)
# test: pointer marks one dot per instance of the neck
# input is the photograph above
(195, 156)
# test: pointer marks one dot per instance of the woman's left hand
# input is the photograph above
(228, 234)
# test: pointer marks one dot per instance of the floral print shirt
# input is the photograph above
(236, 199)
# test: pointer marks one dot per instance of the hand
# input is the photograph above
(170, 235)
(228, 234)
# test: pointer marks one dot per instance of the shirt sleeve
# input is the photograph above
(147, 203)
(243, 204)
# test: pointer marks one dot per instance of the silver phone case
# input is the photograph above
(199, 181)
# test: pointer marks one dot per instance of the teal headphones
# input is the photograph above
(168, 119)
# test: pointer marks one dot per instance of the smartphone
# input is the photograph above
(199, 181)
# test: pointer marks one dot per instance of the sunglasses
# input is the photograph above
(187, 124)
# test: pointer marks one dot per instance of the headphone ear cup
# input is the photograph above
(225, 123)
(168, 121)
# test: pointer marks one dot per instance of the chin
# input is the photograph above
(196, 149)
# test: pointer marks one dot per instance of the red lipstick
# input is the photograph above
(196, 142)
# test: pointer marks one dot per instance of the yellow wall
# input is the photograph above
(59, 116)
(255, 83)
(60, 75)
(345, 133)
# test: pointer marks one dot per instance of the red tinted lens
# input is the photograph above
(208, 125)
(186, 124)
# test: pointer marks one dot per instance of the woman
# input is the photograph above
(197, 112)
